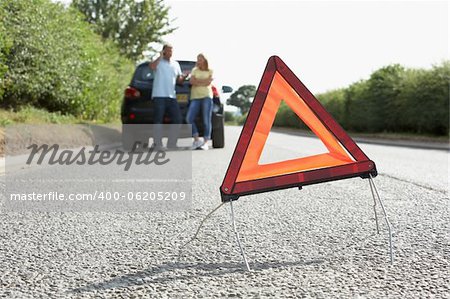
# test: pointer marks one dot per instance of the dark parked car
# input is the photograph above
(137, 106)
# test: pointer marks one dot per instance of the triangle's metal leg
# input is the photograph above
(374, 188)
(374, 205)
(237, 236)
(198, 229)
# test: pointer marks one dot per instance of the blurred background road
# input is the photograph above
(318, 242)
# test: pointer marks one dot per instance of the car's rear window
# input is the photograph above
(143, 73)
(186, 66)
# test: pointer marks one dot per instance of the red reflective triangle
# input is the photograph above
(246, 176)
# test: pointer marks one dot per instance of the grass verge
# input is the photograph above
(34, 116)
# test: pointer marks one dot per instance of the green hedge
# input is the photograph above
(58, 63)
(5, 45)
(393, 99)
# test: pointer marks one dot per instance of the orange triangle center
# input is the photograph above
(279, 91)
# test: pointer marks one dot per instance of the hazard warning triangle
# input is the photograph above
(246, 176)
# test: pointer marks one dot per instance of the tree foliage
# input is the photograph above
(422, 104)
(242, 97)
(334, 101)
(229, 116)
(5, 45)
(131, 24)
(286, 117)
(56, 62)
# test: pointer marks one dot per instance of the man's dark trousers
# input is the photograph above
(160, 106)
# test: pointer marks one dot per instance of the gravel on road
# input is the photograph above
(319, 242)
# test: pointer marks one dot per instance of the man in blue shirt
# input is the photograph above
(167, 74)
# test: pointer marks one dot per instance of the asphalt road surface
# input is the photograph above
(319, 242)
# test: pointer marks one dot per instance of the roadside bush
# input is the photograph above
(356, 107)
(241, 119)
(5, 44)
(229, 116)
(58, 63)
(384, 86)
(334, 102)
(393, 99)
(422, 104)
(287, 118)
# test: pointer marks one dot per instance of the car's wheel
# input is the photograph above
(218, 132)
